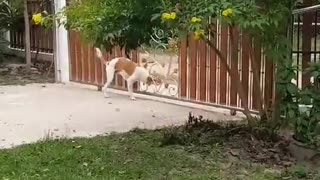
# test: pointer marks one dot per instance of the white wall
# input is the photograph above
(61, 52)
(21, 53)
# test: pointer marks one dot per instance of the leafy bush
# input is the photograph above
(11, 15)
(307, 125)
(124, 23)
(263, 21)
(10, 19)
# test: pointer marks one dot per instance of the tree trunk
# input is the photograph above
(27, 33)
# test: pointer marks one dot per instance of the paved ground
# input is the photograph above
(33, 112)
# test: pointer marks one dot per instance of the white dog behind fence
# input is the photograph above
(128, 69)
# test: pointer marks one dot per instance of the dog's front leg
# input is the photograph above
(130, 89)
(105, 90)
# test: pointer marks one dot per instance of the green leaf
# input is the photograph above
(292, 89)
(305, 122)
(291, 114)
(155, 16)
(299, 121)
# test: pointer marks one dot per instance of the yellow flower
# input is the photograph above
(227, 13)
(169, 16)
(165, 16)
(173, 15)
(195, 20)
(37, 18)
(198, 34)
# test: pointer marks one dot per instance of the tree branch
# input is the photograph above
(234, 75)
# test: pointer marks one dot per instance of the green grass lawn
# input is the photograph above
(134, 155)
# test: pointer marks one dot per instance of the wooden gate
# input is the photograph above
(205, 79)
(86, 68)
(202, 78)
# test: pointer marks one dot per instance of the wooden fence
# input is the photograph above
(205, 79)
(41, 39)
(202, 77)
(86, 68)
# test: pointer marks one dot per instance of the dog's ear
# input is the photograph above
(144, 62)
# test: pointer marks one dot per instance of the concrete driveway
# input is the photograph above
(31, 113)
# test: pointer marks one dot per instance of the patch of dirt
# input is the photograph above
(15, 73)
(246, 146)
(238, 141)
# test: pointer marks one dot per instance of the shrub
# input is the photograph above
(10, 19)
(124, 23)
(307, 125)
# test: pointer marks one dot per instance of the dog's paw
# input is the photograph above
(132, 98)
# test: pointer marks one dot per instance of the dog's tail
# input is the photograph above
(100, 55)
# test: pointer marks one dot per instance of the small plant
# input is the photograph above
(308, 122)
(301, 172)
(196, 131)
(10, 19)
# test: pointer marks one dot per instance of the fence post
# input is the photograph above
(7, 36)
(61, 48)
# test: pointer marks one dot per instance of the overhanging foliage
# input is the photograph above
(109, 23)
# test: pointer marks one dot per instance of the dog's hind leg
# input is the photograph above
(110, 75)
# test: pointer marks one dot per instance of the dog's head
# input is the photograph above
(149, 80)
(153, 80)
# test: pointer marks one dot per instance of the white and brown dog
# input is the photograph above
(128, 69)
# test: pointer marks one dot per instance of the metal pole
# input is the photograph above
(307, 9)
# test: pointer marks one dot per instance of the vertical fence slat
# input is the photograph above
(85, 62)
(90, 62)
(79, 58)
(223, 71)
(256, 87)
(306, 46)
(20, 42)
(193, 68)
(135, 58)
(82, 60)
(245, 65)
(50, 41)
(72, 55)
(268, 83)
(203, 70)
(234, 65)
(183, 68)
(99, 73)
(13, 40)
(32, 39)
(213, 72)
(95, 67)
